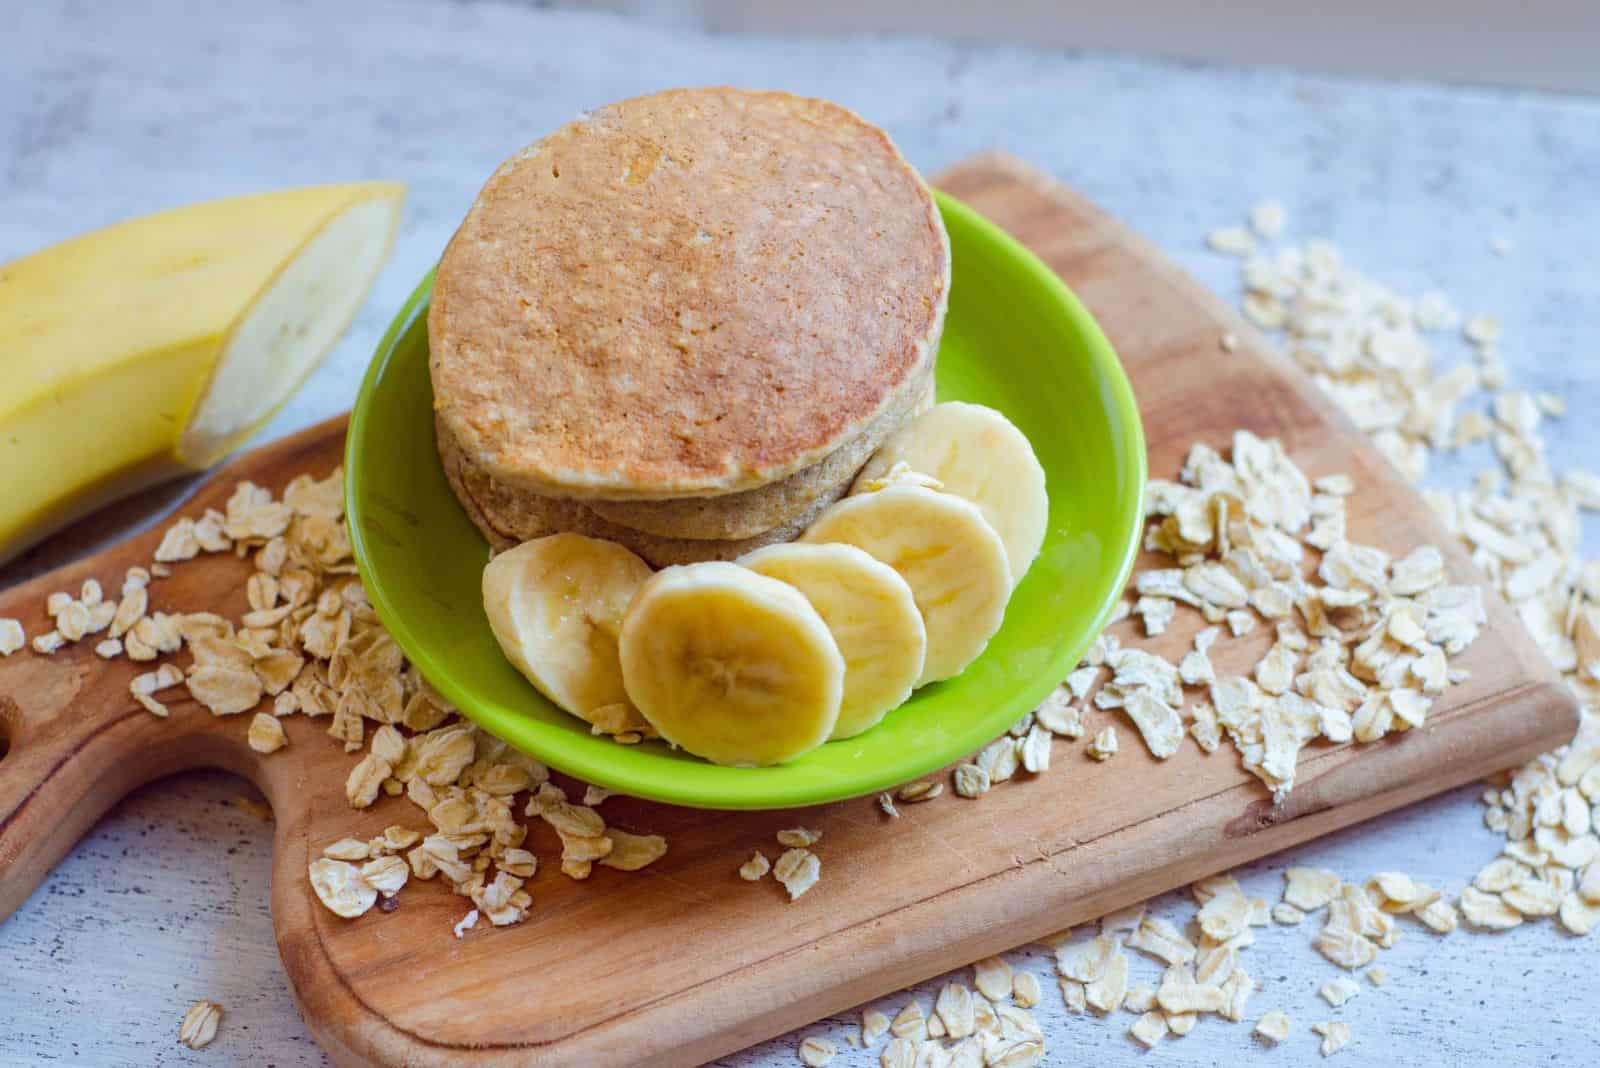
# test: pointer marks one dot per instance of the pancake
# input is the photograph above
(695, 293)
(508, 516)
(752, 512)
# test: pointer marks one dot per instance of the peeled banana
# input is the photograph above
(730, 665)
(869, 610)
(976, 453)
(953, 561)
(160, 344)
(555, 605)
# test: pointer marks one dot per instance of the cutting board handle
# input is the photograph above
(74, 743)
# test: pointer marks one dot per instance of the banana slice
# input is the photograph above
(733, 666)
(869, 610)
(975, 453)
(556, 606)
(948, 554)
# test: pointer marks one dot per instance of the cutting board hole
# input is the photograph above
(5, 739)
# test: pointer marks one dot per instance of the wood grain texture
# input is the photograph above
(683, 962)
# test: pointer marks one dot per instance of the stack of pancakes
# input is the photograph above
(684, 322)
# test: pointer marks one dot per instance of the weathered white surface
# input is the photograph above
(112, 112)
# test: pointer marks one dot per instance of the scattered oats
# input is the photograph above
(798, 871)
(1577, 915)
(992, 977)
(1377, 975)
(1225, 916)
(971, 781)
(1073, 995)
(339, 886)
(630, 852)
(874, 1025)
(1158, 723)
(909, 1022)
(593, 795)
(798, 837)
(1335, 1034)
(1104, 744)
(1345, 946)
(1534, 897)
(518, 862)
(1232, 240)
(1238, 987)
(1105, 994)
(226, 691)
(1500, 874)
(1393, 888)
(1310, 888)
(1487, 911)
(999, 759)
(1240, 622)
(1180, 992)
(466, 923)
(899, 1053)
(1162, 941)
(816, 1052)
(1229, 341)
(12, 638)
(921, 791)
(1087, 962)
(266, 733)
(886, 802)
(365, 780)
(199, 1025)
(1273, 1026)
(162, 678)
(1440, 917)
(1025, 989)
(1157, 613)
(49, 642)
(178, 543)
(955, 1010)
(1287, 914)
(1149, 1029)
(1338, 990)
(1035, 750)
(386, 875)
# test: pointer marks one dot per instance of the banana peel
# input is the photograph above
(160, 344)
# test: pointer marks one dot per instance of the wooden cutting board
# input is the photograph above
(684, 962)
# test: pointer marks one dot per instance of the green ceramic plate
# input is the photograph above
(1015, 339)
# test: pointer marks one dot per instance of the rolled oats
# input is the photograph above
(199, 1024)
(339, 886)
(798, 871)
(1273, 1026)
(266, 733)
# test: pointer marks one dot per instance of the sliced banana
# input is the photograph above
(556, 606)
(730, 665)
(947, 553)
(976, 453)
(869, 610)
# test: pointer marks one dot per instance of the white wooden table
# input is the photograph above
(112, 112)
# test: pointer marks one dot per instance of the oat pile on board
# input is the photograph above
(1376, 353)
(309, 644)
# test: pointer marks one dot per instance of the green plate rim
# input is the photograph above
(692, 792)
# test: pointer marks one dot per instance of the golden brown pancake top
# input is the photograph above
(691, 293)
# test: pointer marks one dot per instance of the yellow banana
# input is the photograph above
(160, 344)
